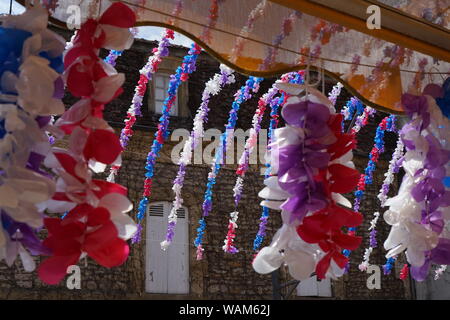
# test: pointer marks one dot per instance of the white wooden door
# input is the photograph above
(313, 288)
(166, 271)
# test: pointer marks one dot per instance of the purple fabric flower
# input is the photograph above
(420, 273)
(417, 104)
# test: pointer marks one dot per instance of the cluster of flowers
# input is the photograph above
(267, 99)
(182, 74)
(243, 94)
(286, 29)
(387, 124)
(213, 87)
(146, 74)
(419, 213)
(312, 160)
(31, 88)
(96, 223)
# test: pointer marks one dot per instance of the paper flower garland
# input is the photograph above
(387, 124)
(335, 92)
(112, 57)
(96, 223)
(363, 119)
(394, 166)
(373, 242)
(293, 77)
(31, 89)
(182, 74)
(213, 87)
(146, 74)
(420, 211)
(311, 157)
(267, 99)
(243, 94)
(286, 29)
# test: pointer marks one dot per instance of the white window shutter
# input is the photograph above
(156, 262)
(178, 252)
(311, 287)
(167, 271)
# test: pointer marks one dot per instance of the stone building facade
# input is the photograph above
(218, 275)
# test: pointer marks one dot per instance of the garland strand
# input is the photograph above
(267, 99)
(286, 29)
(440, 271)
(243, 94)
(213, 87)
(387, 124)
(394, 167)
(335, 92)
(182, 74)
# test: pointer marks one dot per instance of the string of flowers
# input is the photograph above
(256, 13)
(293, 77)
(335, 92)
(31, 89)
(112, 57)
(394, 166)
(419, 213)
(286, 29)
(387, 124)
(267, 99)
(134, 110)
(440, 271)
(96, 224)
(212, 20)
(389, 265)
(373, 242)
(243, 94)
(362, 120)
(182, 74)
(145, 75)
(314, 167)
(354, 107)
(213, 87)
(404, 272)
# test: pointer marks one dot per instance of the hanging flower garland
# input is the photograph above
(267, 99)
(112, 57)
(440, 271)
(256, 13)
(373, 242)
(362, 120)
(145, 75)
(404, 272)
(96, 223)
(394, 167)
(182, 74)
(335, 92)
(243, 94)
(419, 213)
(213, 87)
(286, 30)
(31, 89)
(387, 124)
(354, 107)
(311, 157)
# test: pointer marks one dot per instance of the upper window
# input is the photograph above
(161, 85)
